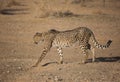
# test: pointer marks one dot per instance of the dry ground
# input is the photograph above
(18, 53)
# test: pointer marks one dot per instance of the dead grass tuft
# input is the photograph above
(8, 3)
(57, 14)
(13, 3)
(63, 14)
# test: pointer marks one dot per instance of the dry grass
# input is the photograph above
(3, 4)
(64, 14)
(8, 3)
(57, 14)
(13, 3)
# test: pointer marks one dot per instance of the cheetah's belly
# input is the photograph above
(60, 44)
(64, 44)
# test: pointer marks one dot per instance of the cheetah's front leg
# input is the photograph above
(41, 57)
(60, 52)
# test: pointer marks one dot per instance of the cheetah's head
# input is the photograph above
(37, 38)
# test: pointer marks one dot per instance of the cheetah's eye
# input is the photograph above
(36, 42)
(37, 33)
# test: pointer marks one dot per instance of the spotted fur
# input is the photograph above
(60, 39)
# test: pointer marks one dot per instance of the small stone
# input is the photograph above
(8, 71)
(19, 67)
(80, 72)
(14, 59)
(59, 68)
(56, 78)
(7, 65)
(49, 78)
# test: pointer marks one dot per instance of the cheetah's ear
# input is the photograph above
(53, 30)
(37, 33)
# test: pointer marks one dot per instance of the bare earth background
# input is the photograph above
(21, 19)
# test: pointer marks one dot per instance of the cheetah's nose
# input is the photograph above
(35, 42)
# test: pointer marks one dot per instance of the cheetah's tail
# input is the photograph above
(96, 44)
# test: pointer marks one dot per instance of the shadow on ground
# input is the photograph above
(14, 11)
(99, 59)
(106, 59)
(49, 63)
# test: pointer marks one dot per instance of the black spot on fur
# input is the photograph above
(109, 42)
(89, 46)
(53, 31)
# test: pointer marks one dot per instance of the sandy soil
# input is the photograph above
(18, 53)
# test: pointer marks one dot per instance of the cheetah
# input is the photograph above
(68, 38)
